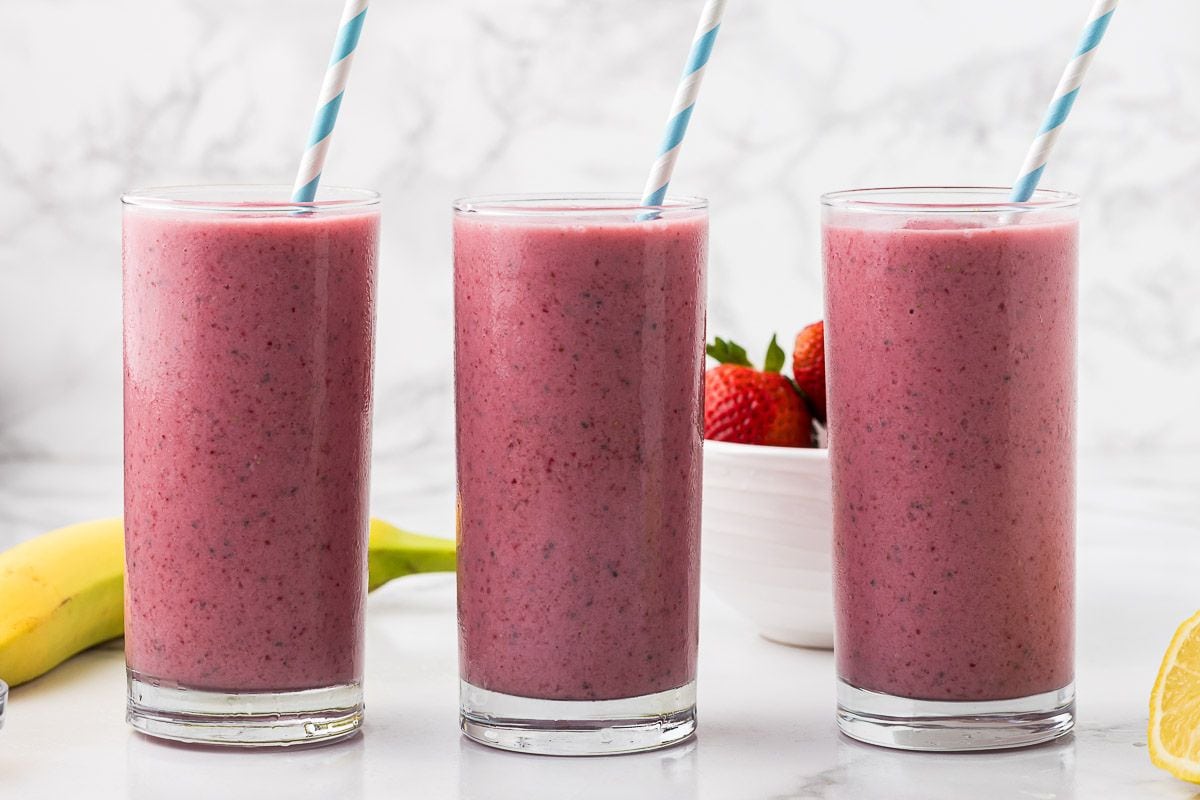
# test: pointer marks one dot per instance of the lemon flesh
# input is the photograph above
(1174, 733)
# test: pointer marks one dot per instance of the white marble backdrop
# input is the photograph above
(451, 97)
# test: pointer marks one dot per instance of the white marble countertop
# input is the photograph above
(766, 724)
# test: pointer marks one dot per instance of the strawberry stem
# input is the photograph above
(727, 352)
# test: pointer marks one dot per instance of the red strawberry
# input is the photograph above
(743, 404)
(808, 367)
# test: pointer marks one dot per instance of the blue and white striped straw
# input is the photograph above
(329, 101)
(1064, 98)
(685, 100)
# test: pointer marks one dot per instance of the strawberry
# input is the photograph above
(808, 367)
(751, 406)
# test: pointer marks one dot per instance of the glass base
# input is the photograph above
(578, 727)
(936, 726)
(166, 710)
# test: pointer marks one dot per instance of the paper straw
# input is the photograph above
(685, 100)
(1064, 98)
(329, 101)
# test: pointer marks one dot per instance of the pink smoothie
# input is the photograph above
(951, 378)
(248, 365)
(579, 363)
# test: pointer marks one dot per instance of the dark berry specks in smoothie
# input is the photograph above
(578, 360)
(248, 365)
(951, 376)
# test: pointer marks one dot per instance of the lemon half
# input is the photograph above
(1174, 734)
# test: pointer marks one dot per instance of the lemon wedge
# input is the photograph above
(1174, 734)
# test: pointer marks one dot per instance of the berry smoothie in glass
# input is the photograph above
(249, 339)
(950, 336)
(579, 356)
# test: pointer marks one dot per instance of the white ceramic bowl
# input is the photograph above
(766, 536)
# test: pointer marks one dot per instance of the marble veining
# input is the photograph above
(469, 97)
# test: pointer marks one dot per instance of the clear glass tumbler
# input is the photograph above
(249, 350)
(579, 359)
(950, 328)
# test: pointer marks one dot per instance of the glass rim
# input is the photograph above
(884, 200)
(564, 203)
(249, 198)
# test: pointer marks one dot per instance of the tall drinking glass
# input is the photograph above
(579, 359)
(249, 336)
(950, 328)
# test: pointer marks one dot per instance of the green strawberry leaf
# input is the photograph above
(775, 357)
(728, 352)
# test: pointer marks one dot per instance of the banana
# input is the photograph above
(63, 592)
(59, 594)
(393, 553)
